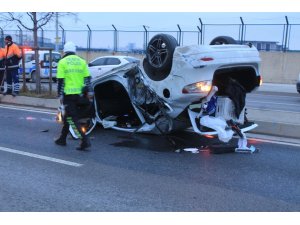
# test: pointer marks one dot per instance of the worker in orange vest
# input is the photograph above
(12, 59)
(2, 69)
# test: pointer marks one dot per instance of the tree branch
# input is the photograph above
(13, 18)
(44, 20)
(30, 15)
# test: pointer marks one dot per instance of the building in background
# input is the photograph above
(267, 45)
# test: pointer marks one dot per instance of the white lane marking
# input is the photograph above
(274, 142)
(55, 160)
(277, 96)
(27, 110)
(272, 110)
(274, 103)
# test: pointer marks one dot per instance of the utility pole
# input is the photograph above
(57, 39)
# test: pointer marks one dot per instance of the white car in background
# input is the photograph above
(103, 64)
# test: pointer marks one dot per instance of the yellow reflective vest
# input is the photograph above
(73, 70)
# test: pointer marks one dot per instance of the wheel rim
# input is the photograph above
(158, 53)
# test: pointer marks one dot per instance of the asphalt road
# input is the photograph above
(274, 101)
(122, 172)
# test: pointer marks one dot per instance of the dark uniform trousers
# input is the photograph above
(12, 76)
(1, 80)
(72, 116)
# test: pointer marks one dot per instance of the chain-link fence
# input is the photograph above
(93, 43)
(266, 37)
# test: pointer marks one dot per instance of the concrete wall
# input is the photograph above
(280, 67)
(276, 67)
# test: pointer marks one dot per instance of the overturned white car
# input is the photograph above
(203, 87)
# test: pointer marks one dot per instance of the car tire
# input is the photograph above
(223, 40)
(33, 76)
(159, 56)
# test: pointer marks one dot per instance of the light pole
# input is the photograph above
(57, 39)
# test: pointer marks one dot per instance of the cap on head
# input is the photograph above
(69, 47)
(8, 38)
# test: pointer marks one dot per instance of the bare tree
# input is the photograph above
(36, 22)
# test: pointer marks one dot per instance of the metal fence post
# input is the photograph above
(201, 31)
(242, 33)
(20, 35)
(89, 38)
(42, 41)
(115, 38)
(179, 37)
(286, 34)
(145, 38)
(63, 35)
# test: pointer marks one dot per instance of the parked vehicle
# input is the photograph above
(203, 87)
(30, 67)
(103, 64)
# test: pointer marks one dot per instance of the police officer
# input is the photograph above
(72, 75)
(12, 57)
(2, 69)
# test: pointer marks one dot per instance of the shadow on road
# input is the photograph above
(175, 142)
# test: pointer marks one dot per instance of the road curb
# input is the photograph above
(278, 123)
(277, 129)
(30, 101)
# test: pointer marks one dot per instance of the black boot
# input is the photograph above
(61, 141)
(85, 143)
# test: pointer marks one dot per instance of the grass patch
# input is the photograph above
(43, 94)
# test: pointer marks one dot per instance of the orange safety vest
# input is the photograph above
(2, 57)
(12, 56)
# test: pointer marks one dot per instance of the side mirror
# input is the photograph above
(90, 65)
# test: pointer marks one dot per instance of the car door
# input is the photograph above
(103, 65)
(96, 67)
(29, 62)
(111, 63)
(45, 66)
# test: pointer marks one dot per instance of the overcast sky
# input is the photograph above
(169, 20)
(164, 15)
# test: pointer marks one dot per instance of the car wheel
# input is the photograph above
(33, 76)
(159, 56)
(223, 40)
